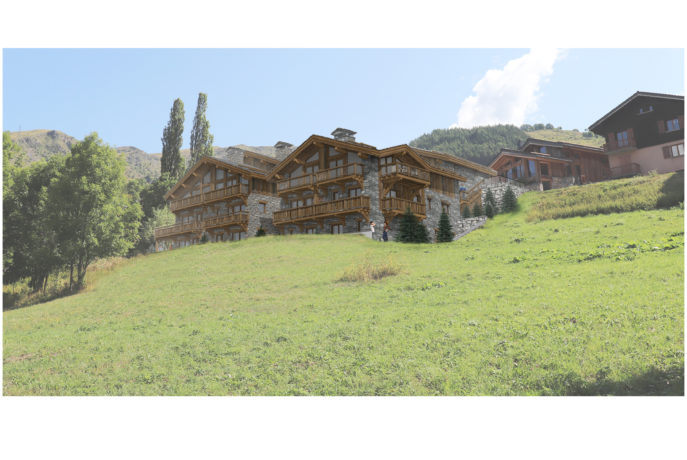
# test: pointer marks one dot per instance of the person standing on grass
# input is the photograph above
(385, 233)
(372, 230)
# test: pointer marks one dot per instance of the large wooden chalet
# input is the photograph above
(552, 164)
(325, 185)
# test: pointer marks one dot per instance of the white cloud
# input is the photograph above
(510, 94)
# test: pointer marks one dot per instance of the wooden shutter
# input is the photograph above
(631, 136)
(681, 121)
(666, 152)
(661, 126)
(612, 141)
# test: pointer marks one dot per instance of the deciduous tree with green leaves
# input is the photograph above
(89, 205)
(201, 139)
(171, 162)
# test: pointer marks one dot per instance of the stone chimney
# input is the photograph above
(282, 149)
(344, 135)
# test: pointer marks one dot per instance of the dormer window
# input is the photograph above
(623, 139)
(647, 109)
(672, 125)
(542, 149)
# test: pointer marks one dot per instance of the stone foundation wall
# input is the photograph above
(256, 218)
(499, 190)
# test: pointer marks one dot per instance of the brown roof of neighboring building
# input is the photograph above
(533, 141)
(673, 97)
(455, 160)
(520, 154)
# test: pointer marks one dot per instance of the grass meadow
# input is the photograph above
(580, 306)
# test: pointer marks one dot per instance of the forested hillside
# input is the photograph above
(481, 144)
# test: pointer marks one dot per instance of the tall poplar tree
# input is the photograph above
(172, 163)
(201, 139)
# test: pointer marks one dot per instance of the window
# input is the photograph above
(262, 206)
(532, 168)
(674, 151)
(509, 174)
(429, 203)
(391, 194)
(646, 109)
(444, 207)
(337, 229)
(542, 149)
(310, 231)
(544, 170)
(354, 192)
(336, 195)
(623, 139)
(312, 169)
(219, 174)
(521, 170)
(672, 125)
(308, 201)
(335, 163)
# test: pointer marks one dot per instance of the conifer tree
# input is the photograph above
(509, 200)
(260, 232)
(445, 234)
(466, 212)
(490, 200)
(476, 210)
(201, 139)
(171, 162)
(411, 230)
(489, 210)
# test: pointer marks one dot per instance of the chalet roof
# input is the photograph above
(219, 162)
(455, 160)
(533, 141)
(416, 155)
(353, 146)
(638, 94)
(260, 156)
(530, 155)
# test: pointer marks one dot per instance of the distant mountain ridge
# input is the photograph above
(40, 144)
(482, 144)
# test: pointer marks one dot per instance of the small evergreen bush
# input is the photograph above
(476, 210)
(261, 232)
(411, 230)
(489, 210)
(466, 212)
(445, 234)
(490, 200)
(509, 200)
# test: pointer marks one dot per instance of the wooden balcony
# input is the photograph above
(240, 218)
(394, 206)
(340, 173)
(178, 229)
(295, 183)
(322, 210)
(404, 171)
(216, 195)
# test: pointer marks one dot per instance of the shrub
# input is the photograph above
(476, 210)
(489, 210)
(445, 234)
(466, 212)
(204, 239)
(509, 200)
(371, 271)
(261, 232)
(411, 230)
(489, 199)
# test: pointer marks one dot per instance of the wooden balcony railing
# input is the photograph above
(295, 183)
(233, 190)
(322, 209)
(340, 172)
(240, 218)
(630, 169)
(400, 169)
(399, 205)
(178, 229)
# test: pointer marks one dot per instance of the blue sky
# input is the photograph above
(261, 96)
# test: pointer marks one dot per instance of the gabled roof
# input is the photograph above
(241, 169)
(529, 155)
(533, 141)
(353, 146)
(455, 160)
(404, 148)
(670, 97)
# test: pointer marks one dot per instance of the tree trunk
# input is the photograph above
(71, 275)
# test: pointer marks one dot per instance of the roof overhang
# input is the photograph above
(456, 160)
(588, 148)
(638, 94)
(530, 156)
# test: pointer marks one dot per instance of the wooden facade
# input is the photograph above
(325, 185)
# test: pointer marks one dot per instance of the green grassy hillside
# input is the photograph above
(586, 305)
(565, 135)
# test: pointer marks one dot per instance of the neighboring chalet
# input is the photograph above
(644, 133)
(548, 165)
(325, 185)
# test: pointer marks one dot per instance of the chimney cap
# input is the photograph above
(282, 145)
(343, 132)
